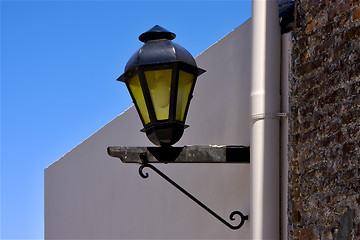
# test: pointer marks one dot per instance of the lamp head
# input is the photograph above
(160, 77)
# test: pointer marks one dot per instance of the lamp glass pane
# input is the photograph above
(137, 92)
(185, 83)
(159, 84)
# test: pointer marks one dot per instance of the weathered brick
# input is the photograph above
(342, 8)
(352, 33)
(331, 98)
(325, 46)
(349, 147)
(347, 118)
(308, 233)
(353, 131)
(311, 162)
(296, 217)
(356, 15)
(354, 89)
(324, 135)
(354, 72)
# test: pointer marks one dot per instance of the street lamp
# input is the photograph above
(160, 77)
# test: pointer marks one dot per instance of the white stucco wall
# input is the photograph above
(89, 195)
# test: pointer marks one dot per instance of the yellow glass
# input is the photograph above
(136, 90)
(159, 84)
(185, 83)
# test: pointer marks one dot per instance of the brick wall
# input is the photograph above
(324, 139)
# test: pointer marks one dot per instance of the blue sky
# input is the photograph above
(59, 62)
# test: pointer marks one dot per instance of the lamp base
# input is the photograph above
(165, 134)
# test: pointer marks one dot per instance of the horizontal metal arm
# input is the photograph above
(186, 154)
(143, 157)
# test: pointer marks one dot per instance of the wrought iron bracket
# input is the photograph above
(145, 163)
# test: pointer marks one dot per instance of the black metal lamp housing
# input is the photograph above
(160, 77)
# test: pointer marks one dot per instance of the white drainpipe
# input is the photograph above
(264, 215)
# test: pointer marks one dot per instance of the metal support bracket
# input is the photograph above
(186, 154)
(145, 163)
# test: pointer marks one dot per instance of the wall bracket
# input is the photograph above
(145, 163)
(185, 154)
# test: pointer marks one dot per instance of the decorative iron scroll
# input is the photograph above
(143, 157)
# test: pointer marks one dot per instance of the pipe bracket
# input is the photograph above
(259, 116)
